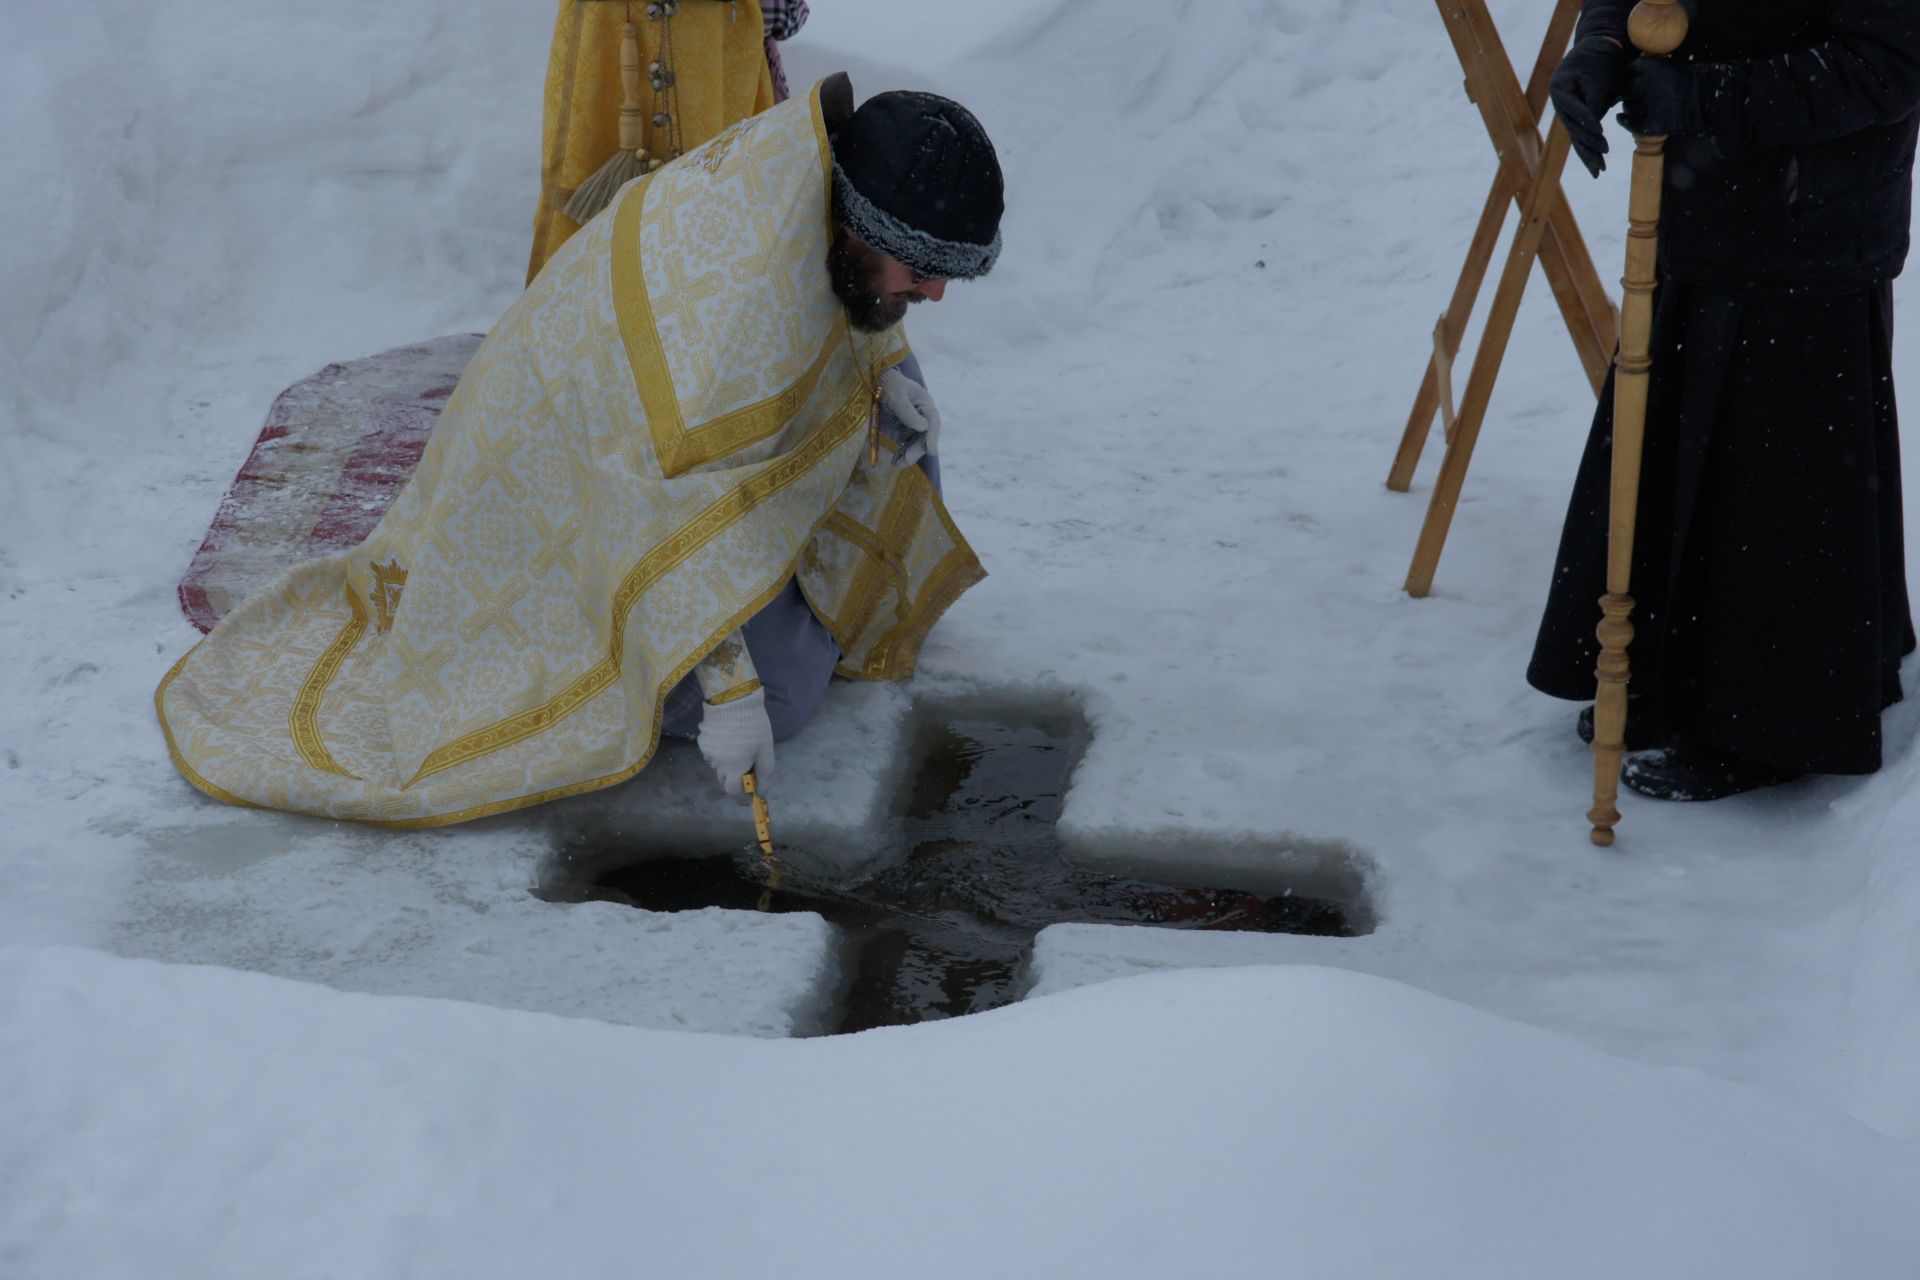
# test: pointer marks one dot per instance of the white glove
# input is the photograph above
(737, 737)
(913, 405)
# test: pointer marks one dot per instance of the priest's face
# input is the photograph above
(875, 289)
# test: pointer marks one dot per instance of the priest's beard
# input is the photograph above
(856, 270)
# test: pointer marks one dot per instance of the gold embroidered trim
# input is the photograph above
(688, 539)
(860, 536)
(679, 449)
(892, 656)
(840, 523)
(187, 771)
(958, 570)
(734, 694)
(303, 720)
(895, 654)
(491, 808)
(903, 511)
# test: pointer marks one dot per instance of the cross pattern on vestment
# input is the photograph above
(589, 601)
(419, 672)
(778, 258)
(763, 148)
(440, 537)
(1529, 178)
(768, 242)
(682, 298)
(276, 792)
(787, 255)
(608, 444)
(204, 744)
(234, 701)
(556, 545)
(717, 577)
(760, 200)
(579, 475)
(244, 647)
(770, 253)
(494, 609)
(538, 677)
(307, 592)
(490, 460)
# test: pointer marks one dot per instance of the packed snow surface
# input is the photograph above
(1169, 413)
(1255, 1122)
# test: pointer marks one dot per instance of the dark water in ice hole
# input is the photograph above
(947, 930)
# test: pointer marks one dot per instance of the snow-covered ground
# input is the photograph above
(1259, 1122)
(1171, 408)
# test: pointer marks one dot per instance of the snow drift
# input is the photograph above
(167, 1121)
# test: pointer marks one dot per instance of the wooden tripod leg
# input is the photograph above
(1574, 281)
(1486, 365)
(1454, 325)
(1584, 303)
(1514, 115)
(1591, 320)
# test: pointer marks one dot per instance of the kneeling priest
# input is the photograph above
(686, 479)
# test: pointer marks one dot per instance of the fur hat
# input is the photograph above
(915, 176)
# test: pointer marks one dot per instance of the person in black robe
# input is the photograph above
(1769, 573)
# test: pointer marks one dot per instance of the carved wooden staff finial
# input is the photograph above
(1657, 28)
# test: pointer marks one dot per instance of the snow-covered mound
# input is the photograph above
(162, 1121)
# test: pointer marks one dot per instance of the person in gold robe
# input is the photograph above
(669, 433)
(705, 65)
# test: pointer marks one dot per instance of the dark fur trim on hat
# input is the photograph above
(929, 255)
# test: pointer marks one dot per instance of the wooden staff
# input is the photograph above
(1657, 28)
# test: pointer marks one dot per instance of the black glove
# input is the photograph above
(1585, 85)
(1661, 96)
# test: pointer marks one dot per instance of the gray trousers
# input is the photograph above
(792, 649)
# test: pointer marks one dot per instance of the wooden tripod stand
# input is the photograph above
(1529, 177)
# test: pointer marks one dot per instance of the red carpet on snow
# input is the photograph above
(336, 449)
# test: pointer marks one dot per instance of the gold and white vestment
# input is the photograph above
(667, 426)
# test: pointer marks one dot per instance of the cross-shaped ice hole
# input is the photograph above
(947, 926)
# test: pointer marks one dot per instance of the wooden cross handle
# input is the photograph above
(1657, 27)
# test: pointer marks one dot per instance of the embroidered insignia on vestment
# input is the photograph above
(388, 581)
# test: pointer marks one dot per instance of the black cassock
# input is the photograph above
(1769, 572)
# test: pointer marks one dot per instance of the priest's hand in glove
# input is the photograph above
(736, 737)
(913, 405)
(1584, 87)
